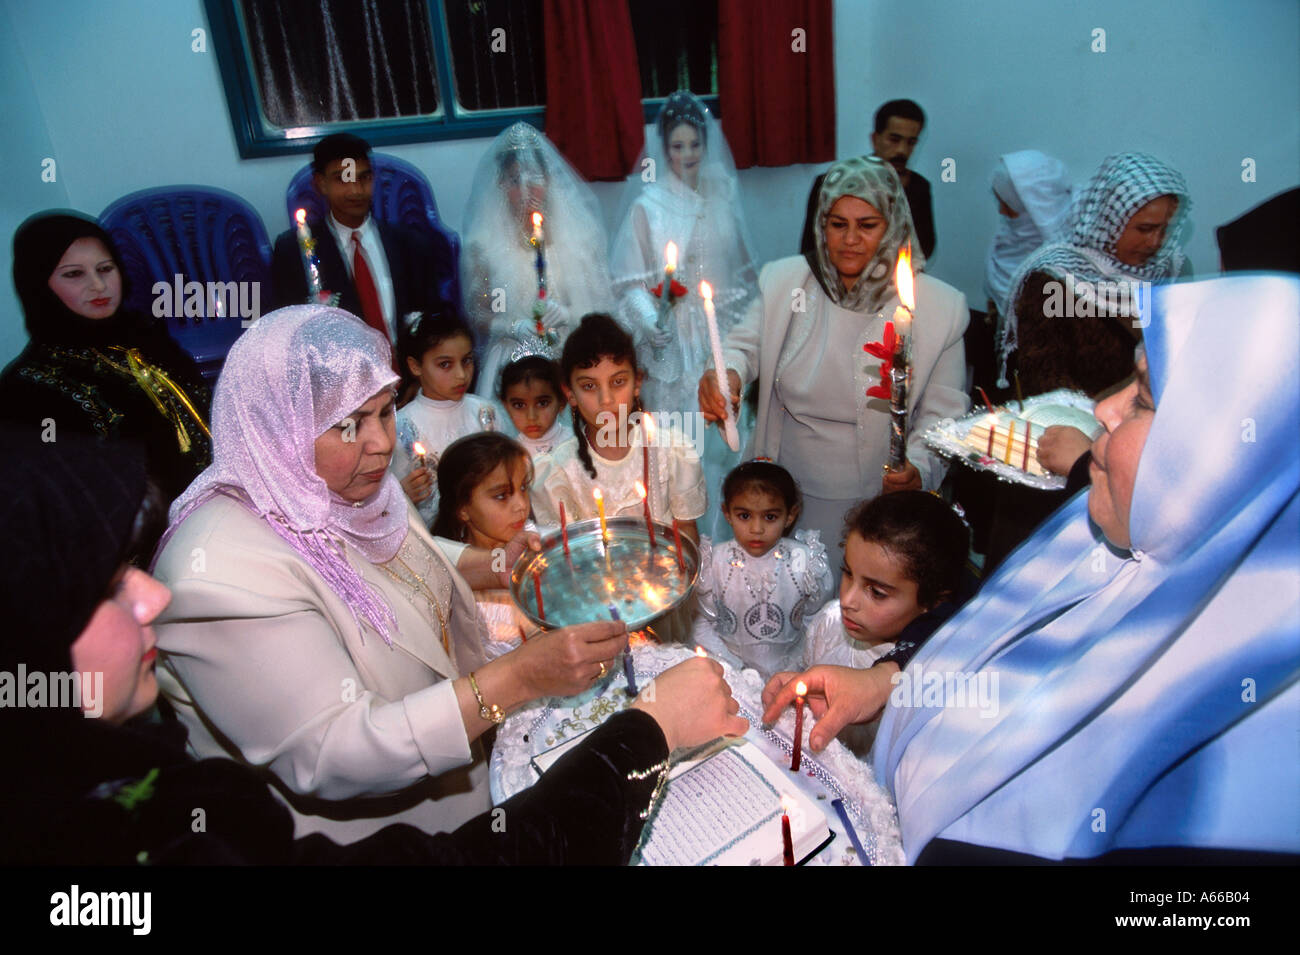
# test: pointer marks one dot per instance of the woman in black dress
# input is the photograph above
(93, 366)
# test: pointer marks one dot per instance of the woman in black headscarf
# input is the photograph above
(93, 366)
(104, 789)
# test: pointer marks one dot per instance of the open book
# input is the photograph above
(722, 806)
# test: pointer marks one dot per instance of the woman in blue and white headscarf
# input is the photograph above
(1071, 310)
(1141, 652)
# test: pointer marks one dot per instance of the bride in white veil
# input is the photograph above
(521, 174)
(687, 193)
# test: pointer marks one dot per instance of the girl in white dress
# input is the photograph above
(533, 397)
(609, 450)
(687, 194)
(483, 484)
(755, 591)
(438, 351)
(524, 174)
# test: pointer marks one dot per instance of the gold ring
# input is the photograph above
(603, 670)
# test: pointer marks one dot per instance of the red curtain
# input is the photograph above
(593, 86)
(776, 86)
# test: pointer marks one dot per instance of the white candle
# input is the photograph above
(719, 369)
(903, 282)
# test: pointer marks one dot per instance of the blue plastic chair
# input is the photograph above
(402, 197)
(203, 235)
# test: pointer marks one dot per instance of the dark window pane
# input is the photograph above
(502, 78)
(324, 61)
(676, 45)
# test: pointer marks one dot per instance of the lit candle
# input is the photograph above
(719, 370)
(800, 691)
(670, 262)
(564, 530)
(628, 672)
(787, 842)
(418, 450)
(645, 503)
(310, 262)
(600, 506)
(906, 295)
(537, 228)
(677, 538)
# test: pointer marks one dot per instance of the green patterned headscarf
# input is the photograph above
(872, 180)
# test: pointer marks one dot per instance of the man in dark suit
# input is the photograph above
(379, 271)
(898, 128)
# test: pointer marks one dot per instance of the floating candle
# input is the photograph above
(677, 538)
(1011, 439)
(600, 507)
(800, 691)
(645, 504)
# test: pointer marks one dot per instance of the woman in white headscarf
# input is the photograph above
(317, 632)
(1129, 680)
(1072, 314)
(804, 340)
(1033, 193)
(523, 174)
(691, 198)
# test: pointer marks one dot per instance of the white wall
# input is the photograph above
(113, 92)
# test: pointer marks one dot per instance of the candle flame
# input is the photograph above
(640, 489)
(801, 688)
(648, 423)
(903, 278)
(537, 220)
(418, 448)
(595, 492)
(300, 216)
(788, 804)
(700, 652)
(670, 254)
(706, 291)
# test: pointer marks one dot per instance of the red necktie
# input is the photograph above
(371, 311)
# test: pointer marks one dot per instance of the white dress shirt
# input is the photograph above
(372, 246)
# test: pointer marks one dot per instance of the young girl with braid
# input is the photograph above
(602, 383)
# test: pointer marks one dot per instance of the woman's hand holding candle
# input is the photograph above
(837, 697)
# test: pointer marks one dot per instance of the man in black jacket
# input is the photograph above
(380, 271)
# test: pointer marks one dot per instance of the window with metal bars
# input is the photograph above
(295, 70)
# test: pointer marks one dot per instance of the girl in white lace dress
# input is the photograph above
(483, 489)
(612, 447)
(755, 591)
(438, 352)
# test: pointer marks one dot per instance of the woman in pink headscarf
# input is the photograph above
(317, 631)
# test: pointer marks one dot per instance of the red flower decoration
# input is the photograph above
(676, 290)
(883, 350)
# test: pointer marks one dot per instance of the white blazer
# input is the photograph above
(755, 345)
(265, 664)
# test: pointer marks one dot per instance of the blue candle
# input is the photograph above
(627, 658)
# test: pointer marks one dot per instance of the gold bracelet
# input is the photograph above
(493, 713)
